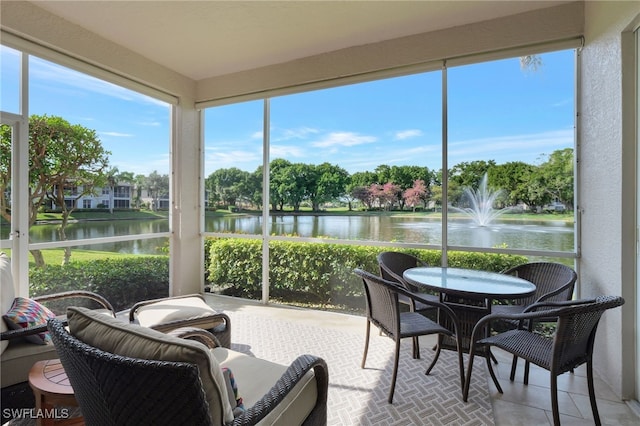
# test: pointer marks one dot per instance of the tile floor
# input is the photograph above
(519, 405)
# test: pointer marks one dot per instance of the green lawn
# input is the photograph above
(343, 211)
(55, 256)
(118, 214)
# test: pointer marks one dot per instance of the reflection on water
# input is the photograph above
(521, 234)
(543, 235)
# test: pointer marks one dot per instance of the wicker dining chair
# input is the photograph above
(570, 346)
(383, 310)
(392, 265)
(554, 283)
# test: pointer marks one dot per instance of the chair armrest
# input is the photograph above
(138, 305)
(197, 334)
(298, 368)
(532, 315)
(559, 290)
(83, 294)
(564, 303)
(23, 332)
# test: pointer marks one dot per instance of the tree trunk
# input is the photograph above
(38, 258)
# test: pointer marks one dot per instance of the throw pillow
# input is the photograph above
(26, 313)
(232, 392)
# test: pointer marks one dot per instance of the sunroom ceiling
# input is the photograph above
(201, 39)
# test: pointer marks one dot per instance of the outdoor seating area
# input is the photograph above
(284, 365)
(235, 177)
(359, 396)
(181, 352)
(110, 363)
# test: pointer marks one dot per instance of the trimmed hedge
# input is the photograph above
(319, 273)
(299, 272)
(122, 282)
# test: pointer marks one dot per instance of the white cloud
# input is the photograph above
(116, 134)
(159, 163)
(406, 134)
(149, 123)
(344, 139)
(53, 74)
(562, 103)
(525, 147)
(285, 151)
(297, 133)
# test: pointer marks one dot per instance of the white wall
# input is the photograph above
(607, 189)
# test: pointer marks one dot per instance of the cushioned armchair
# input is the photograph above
(23, 325)
(190, 310)
(126, 374)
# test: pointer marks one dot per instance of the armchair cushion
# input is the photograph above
(257, 376)
(25, 313)
(131, 340)
(181, 311)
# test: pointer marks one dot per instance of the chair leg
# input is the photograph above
(492, 373)
(416, 348)
(438, 349)
(554, 398)
(467, 382)
(592, 393)
(514, 365)
(366, 344)
(461, 366)
(527, 364)
(493, 358)
(395, 372)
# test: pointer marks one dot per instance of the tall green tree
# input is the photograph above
(329, 183)
(514, 179)
(466, 175)
(115, 177)
(157, 186)
(278, 182)
(295, 184)
(227, 185)
(557, 176)
(66, 162)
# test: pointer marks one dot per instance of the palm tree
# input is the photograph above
(112, 180)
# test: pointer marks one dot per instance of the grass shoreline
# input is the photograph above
(52, 218)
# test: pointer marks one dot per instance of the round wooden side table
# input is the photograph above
(53, 393)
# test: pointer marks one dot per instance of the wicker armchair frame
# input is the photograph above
(571, 345)
(383, 311)
(121, 391)
(78, 294)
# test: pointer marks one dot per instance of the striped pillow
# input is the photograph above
(26, 313)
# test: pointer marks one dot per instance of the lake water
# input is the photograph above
(534, 235)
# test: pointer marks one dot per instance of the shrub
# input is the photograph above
(122, 282)
(320, 273)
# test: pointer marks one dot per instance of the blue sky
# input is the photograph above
(495, 111)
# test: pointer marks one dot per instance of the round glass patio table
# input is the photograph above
(470, 294)
(469, 283)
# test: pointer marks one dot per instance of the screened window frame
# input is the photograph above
(18, 240)
(265, 236)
